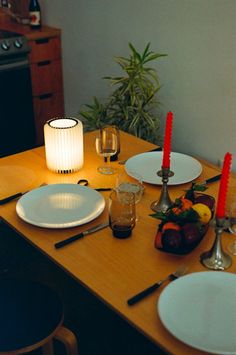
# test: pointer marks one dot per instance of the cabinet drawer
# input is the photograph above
(46, 77)
(46, 107)
(45, 49)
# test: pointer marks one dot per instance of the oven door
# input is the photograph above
(17, 131)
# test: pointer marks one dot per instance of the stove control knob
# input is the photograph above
(5, 45)
(18, 43)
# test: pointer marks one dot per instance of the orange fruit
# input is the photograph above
(170, 225)
(176, 210)
(185, 204)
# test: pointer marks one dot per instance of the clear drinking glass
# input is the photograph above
(122, 213)
(106, 146)
(131, 183)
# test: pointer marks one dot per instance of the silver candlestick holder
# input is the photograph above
(216, 258)
(164, 201)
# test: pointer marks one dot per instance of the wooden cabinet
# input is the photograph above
(47, 81)
(46, 71)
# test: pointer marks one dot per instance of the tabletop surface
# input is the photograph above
(110, 268)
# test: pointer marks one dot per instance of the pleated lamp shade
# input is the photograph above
(64, 147)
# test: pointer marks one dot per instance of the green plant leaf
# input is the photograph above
(132, 104)
(146, 51)
(153, 57)
(135, 53)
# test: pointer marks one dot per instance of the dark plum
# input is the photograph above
(172, 240)
(191, 234)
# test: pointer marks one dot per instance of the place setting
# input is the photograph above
(184, 168)
(164, 168)
(60, 206)
(66, 205)
(193, 308)
(198, 308)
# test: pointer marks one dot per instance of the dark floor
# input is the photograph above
(99, 330)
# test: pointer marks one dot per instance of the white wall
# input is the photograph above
(198, 76)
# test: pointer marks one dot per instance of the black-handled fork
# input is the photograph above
(179, 272)
(11, 198)
(7, 199)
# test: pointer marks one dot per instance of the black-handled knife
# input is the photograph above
(80, 235)
(212, 179)
(10, 198)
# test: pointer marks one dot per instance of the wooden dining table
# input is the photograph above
(111, 269)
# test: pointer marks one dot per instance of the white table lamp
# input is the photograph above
(63, 138)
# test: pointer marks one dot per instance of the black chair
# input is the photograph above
(31, 316)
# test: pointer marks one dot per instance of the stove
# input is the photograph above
(17, 131)
(12, 44)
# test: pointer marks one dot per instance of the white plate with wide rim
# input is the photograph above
(200, 310)
(60, 206)
(147, 165)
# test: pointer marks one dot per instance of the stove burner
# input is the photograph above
(12, 44)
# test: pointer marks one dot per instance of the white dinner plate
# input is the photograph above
(60, 205)
(200, 310)
(147, 165)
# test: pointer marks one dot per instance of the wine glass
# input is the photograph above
(232, 225)
(106, 146)
(131, 183)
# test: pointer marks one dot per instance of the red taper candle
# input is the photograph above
(222, 194)
(167, 141)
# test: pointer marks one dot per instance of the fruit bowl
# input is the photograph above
(185, 223)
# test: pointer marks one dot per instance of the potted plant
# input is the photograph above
(132, 104)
